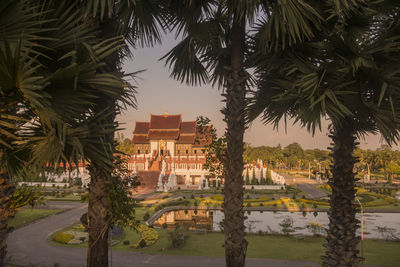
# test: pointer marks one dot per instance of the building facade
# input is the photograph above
(174, 147)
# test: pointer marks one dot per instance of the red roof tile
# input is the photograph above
(186, 139)
(165, 121)
(188, 127)
(159, 134)
(140, 139)
(141, 127)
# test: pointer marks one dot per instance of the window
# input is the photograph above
(147, 152)
(187, 151)
(179, 152)
(195, 151)
(138, 151)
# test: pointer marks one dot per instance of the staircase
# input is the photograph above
(148, 181)
(155, 166)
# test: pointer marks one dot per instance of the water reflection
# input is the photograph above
(269, 221)
(192, 219)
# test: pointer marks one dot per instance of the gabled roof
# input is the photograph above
(160, 134)
(188, 127)
(186, 139)
(163, 122)
(141, 127)
(140, 139)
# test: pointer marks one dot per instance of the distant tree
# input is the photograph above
(253, 177)
(214, 147)
(247, 176)
(262, 180)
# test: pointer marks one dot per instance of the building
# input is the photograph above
(172, 149)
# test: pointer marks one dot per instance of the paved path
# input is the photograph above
(28, 245)
(307, 186)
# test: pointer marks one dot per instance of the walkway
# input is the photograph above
(307, 186)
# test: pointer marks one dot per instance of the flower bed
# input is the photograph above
(63, 238)
(312, 202)
(148, 236)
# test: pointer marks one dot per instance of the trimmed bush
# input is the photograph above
(63, 238)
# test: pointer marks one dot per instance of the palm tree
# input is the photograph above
(139, 23)
(349, 73)
(214, 50)
(49, 80)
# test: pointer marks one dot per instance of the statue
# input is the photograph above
(160, 185)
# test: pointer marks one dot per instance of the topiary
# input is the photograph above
(63, 238)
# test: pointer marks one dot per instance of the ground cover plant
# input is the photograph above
(27, 215)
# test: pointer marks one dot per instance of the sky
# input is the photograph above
(158, 93)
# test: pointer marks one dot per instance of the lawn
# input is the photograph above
(27, 215)
(260, 246)
(264, 246)
(66, 197)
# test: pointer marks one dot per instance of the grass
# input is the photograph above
(377, 252)
(67, 197)
(264, 246)
(25, 216)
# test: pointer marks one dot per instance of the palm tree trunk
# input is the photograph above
(341, 241)
(235, 243)
(6, 190)
(98, 217)
(100, 177)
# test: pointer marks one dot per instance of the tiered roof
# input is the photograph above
(166, 127)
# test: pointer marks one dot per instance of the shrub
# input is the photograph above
(177, 237)
(82, 239)
(126, 242)
(142, 243)
(287, 226)
(192, 196)
(146, 216)
(164, 225)
(63, 238)
(316, 229)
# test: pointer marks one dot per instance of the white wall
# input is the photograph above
(171, 147)
(153, 146)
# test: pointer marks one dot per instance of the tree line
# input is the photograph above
(383, 160)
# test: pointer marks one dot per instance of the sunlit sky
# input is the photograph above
(157, 93)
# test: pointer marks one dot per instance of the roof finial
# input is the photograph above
(165, 113)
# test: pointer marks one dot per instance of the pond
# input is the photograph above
(376, 225)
